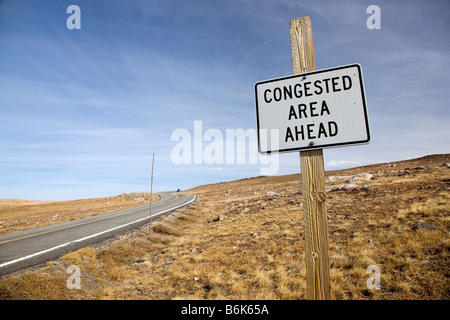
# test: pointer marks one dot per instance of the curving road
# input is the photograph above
(26, 248)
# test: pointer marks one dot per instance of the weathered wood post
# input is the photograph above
(313, 179)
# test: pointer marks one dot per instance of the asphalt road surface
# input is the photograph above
(27, 248)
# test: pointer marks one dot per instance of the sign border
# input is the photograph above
(332, 145)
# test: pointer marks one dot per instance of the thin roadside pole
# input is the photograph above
(151, 190)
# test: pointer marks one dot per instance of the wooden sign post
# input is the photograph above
(307, 112)
(313, 180)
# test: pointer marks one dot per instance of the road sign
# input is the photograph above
(313, 110)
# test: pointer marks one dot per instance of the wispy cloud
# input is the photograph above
(82, 111)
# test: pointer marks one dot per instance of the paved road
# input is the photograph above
(26, 248)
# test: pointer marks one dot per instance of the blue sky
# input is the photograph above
(82, 111)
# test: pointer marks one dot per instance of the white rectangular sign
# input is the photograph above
(314, 110)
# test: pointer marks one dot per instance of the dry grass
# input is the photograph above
(16, 215)
(237, 241)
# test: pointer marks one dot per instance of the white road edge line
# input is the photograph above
(91, 236)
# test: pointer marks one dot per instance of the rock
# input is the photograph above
(446, 165)
(146, 263)
(331, 179)
(349, 186)
(423, 225)
(272, 194)
(404, 173)
(168, 263)
(220, 217)
(420, 168)
(334, 179)
(245, 210)
(207, 287)
(139, 200)
(362, 177)
(196, 279)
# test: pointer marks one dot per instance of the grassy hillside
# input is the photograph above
(245, 240)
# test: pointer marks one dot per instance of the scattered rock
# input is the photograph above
(146, 263)
(330, 179)
(404, 173)
(350, 186)
(270, 222)
(168, 263)
(362, 177)
(423, 225)
(207, 287)
(334, 179)
(220, 217)
(273, 194)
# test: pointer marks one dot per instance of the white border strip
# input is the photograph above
(91, 236)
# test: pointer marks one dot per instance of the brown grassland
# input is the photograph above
(16, 215)
(245, 240)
